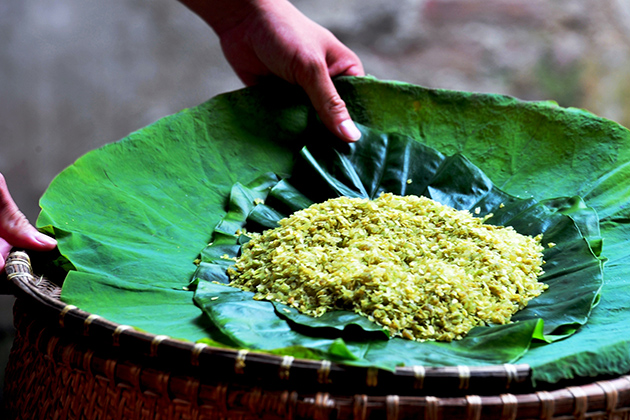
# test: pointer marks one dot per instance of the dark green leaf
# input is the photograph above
(345, 321)
(573, 273)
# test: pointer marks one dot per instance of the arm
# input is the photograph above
(271, 37)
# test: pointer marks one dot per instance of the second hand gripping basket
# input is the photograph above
(69, 364)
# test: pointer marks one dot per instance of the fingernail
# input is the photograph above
(45, 240)
(349, 130)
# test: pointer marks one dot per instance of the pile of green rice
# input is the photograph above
(422, 270)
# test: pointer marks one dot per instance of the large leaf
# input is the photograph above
(132, 216)
(385, 163)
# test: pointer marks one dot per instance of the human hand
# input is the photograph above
(271, 37)
(15, 230)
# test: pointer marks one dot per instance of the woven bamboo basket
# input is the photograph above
(69, 364)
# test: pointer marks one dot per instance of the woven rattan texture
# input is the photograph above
(43, 382)
(51, 377)
(58, 371)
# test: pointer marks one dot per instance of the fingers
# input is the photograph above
(342, 61)
(5, 248)
(339, 60)
(15, 228)
(277, 39)
(354, 70)
(332, 110)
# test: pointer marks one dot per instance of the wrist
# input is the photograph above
(223, 15)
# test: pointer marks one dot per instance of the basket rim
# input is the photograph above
(240, 363)
(608, 399)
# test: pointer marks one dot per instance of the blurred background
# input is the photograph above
(76, 74)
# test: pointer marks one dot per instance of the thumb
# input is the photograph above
(5, 249)
(329, 105)
(15, 228)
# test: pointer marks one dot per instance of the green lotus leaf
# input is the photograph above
(382, 163)
(131, 217)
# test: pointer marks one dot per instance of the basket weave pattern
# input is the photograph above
(49, 377)
(69, 364)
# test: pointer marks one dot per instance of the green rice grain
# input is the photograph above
(422, 270)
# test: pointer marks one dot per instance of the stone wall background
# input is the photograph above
(76, 74)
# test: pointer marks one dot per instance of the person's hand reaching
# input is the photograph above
(15, 230)
(271, 37)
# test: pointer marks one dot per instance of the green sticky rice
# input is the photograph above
(422, 270)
